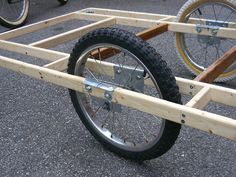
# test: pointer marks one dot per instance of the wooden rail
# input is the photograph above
(218, 67)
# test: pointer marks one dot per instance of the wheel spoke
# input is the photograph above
(228, 16)
(106, 118)
(213, 7)
(141, 129)
(199, 17)
(219, 12)
(205, 56)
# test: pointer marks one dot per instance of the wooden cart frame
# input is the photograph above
(190, 114)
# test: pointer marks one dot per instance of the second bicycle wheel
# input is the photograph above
(134, 65)
(13, 13)
(198, 52)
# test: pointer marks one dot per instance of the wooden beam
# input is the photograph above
(106, 53)
(58, 65)
(202, 120)
(73, 34)
(173, 26)
(150, 16)
(36, 26)
(201, 99)
(153, 32)
(45, 54)
(123, 13)
(145, 35)
(218, 67)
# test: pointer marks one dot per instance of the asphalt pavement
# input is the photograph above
(41, 134)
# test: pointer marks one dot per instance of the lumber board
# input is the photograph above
(36, 26)
(145, 35)
(45, 54)
(73, 34)
(218, 67)
(201, 99)
(205, 121)
(173, 26)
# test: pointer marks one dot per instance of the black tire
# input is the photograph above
(158, 68)
(19, 20)
(63, 2)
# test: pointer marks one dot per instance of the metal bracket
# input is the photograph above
(132, 78)
(212, 26)
(217, 23)
(90, 84)
(213, 29)
(108, 91)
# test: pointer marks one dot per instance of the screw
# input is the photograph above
(191, 87)
(199, 30)
(138, 77)
(107, 95)
(88, 88)
(118, 71)
(214, 32)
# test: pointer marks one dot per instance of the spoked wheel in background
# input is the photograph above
(197, 51)
(13, 13)
(132, 65)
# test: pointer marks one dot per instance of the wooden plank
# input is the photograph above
(133, 19)
(173, 26)
(128, 21)
(58, 65)
(45, 54)
(224, 96)
(145, 35)
(106, 53)
(221, 95)
(209, 122)
(191, 28)
(201, 99)
(218, 67)
(153, 31)
(36, 26)
(73, 34)
(189, 87)
(122, 13)
(202, 120)
(80, 15)
(144, 15)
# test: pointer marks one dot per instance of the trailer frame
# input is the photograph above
(190, 114)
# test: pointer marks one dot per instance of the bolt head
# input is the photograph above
(138, 77)
(107, 95)
(88, 87)
(118, 71)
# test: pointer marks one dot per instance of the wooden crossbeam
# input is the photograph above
(61, 65)
(209, 122)
(218, 67)
(73, 34)
(145, 35)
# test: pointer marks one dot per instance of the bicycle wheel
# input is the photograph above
(128, 132)
(63, 2)
(13, 13)
(197, 51)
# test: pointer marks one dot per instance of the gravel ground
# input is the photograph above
(41, 134)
